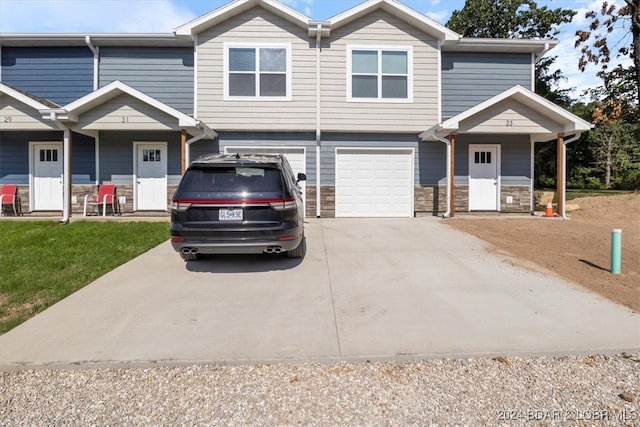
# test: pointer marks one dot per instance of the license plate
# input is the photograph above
(230, 214)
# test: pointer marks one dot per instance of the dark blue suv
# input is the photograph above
(238, 204)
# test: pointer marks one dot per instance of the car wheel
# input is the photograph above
(300, 251)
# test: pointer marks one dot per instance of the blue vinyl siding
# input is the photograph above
(166, 74)
(14, 156)
(515, 158)
(293, 139)
(59, 74)
(471, 78)
(116, 155)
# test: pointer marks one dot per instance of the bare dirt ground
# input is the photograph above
(579, 249)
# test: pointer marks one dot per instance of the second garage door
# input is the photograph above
(374, 182)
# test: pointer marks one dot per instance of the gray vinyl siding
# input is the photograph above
(515, 158)
(14, 156)
(429, 157)
(265, 139)
(59, 74)
(378, 30)
(471, 78)
(116, 155)
(258, 27)
(203, 147)
(165, 74)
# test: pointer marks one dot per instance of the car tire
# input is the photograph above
(300, 251)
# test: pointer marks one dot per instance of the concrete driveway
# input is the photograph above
(367, 289)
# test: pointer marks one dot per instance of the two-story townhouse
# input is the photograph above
(387, 112)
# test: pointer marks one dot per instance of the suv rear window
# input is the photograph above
(233, 179)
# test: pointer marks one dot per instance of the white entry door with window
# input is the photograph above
(47, 176)
(484, 173)
(151, 176)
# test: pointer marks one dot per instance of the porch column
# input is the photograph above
(183, 150)
(560, 179)
(66, 176)
(452, 181)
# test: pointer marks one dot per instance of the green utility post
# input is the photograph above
(616, 250)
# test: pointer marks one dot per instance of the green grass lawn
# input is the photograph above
(43, 262)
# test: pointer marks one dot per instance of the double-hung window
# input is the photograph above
(258, 72)
(379, 74)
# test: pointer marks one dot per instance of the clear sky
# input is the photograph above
(162, 16)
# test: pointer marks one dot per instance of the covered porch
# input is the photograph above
(492, 127)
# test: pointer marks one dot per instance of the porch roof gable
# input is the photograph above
(72, 111)
(565, 121)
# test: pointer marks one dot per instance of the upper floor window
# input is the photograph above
(379, 74)
(260, 72)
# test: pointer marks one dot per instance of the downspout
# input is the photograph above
(564, 170)
(449, 173)
(96, 82)
(318, 118)
(96, 61)
(532, 208)
(188, 142)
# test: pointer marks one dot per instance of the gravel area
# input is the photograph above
(594, 390)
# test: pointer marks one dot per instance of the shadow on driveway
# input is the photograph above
(242, 263)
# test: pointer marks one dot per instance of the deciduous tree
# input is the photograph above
(598, 48)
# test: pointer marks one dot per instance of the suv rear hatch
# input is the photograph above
(232, 197)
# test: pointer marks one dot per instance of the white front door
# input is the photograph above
(151, 176)
(47, 177)
(484, 163)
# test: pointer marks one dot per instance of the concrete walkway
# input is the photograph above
(367, 289)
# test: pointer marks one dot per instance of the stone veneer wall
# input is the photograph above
(327, 201)
(121, 190)
(521, 198)
(429, 200)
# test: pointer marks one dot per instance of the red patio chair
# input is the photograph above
(106, 197)
(9, 199)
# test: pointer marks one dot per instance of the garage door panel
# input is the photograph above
(374, 183)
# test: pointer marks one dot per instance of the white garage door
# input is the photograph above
(374, 182)
(296, 156)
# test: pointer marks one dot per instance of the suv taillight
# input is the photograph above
(283, 205)
(180, 206)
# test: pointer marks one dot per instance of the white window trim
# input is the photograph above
(289, 71)
(379, 49)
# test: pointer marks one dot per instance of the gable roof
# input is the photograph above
(570, 122)
(27, 98)
(398, 10)
(237, 7)
(73, 110)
